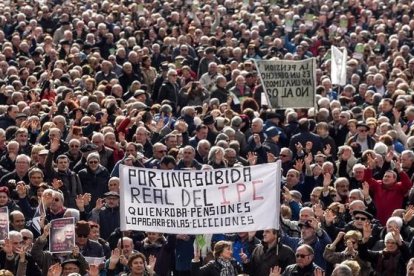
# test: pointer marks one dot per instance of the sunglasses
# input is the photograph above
(360, 218)
(56, 199)
(302, 256)
(93, 162)
(26, 238)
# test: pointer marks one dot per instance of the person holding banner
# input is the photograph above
(45, 259)
(223, 263)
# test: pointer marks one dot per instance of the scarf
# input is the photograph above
(227, 268)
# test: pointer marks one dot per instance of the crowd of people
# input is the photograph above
(87, 86)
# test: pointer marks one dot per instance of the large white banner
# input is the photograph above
(289, 83)
(200, 201)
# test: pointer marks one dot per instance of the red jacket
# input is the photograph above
(387, 199)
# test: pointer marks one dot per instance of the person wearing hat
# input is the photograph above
(106, 214)
(312, 235)
(85, 150)
(361, 141)
(94, 178)
(271, 143)
(87, 247)
(351, 240)
(209, 57)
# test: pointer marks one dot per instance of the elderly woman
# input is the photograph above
(138, 266)
(216, 158)
(223, 264)
(390, 261)
(351, 240)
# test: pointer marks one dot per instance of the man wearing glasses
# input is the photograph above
(304, 264)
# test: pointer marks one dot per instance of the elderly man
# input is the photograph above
(304, 265)
(271, 253)
(20, 173)
(13, 255)
(188, 161)
(388, 193)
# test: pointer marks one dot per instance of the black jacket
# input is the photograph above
(6, 121)
(71, 183)
(212, 268)
(264, 258)
(94, 182)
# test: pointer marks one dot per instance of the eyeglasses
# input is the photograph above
(26, 238)
(173, 75)
(332, 195)
(93, 162)
(301, 255)
(283, 155)
(82, 236)
(360, 218)
(162, 151)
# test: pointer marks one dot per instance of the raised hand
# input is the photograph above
(367, 231)
(252, 158)
(55, 270)
(327, 150)
(57, 184)
(287, 195)
(299, 147)
(299, 165)
(243, 257)
(308, 159)
(275, 271)
(327, 178)
(80, 203)
(409, 214)
(365, 189)
(54, 145)
(271, 157)
(371, 162)
(8, 247)
(115, 256)
(93, 270)
(87, 198)
(151, 261)
(46, 230)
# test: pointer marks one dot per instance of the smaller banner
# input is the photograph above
(338, 66)
(289, 83)
(62, 235)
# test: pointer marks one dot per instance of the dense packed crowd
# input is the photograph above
(87, 86)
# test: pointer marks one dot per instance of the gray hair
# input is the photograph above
(342, 270)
